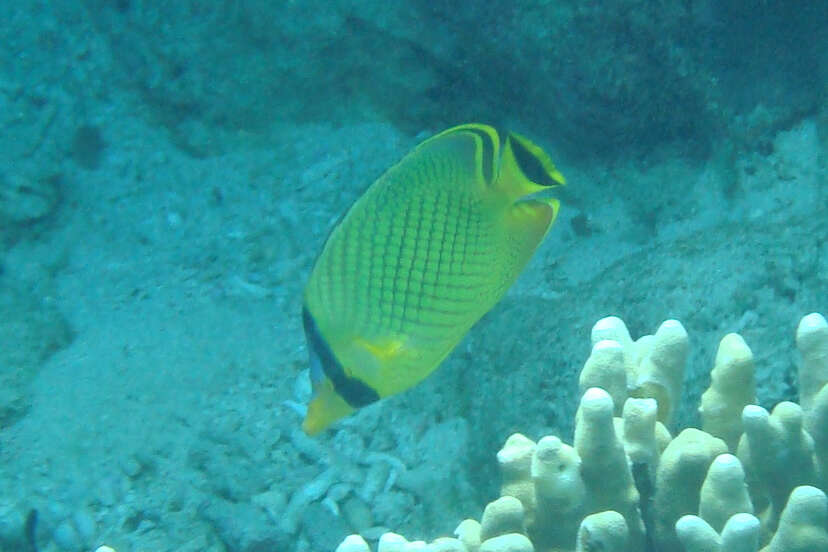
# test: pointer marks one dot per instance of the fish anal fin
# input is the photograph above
(532, 218)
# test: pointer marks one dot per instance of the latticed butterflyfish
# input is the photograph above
(423, 254)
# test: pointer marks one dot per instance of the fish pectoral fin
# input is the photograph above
(383, 349)
(376, 361)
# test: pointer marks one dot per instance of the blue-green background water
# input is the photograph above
(170, 170)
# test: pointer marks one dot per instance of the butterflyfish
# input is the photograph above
(430, 247)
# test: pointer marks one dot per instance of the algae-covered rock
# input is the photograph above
(591, 75)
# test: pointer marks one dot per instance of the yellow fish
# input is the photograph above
(422, 255)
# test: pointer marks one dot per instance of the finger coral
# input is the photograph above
(749, 481)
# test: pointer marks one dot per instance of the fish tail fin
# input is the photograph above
(525, 169)
(529, 179)
(325, 408)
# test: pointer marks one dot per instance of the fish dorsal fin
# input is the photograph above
(485, 141)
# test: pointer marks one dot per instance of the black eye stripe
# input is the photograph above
(355, 392)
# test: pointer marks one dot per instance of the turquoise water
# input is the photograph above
(170, 172)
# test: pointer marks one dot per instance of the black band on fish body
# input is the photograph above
(355, 392)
